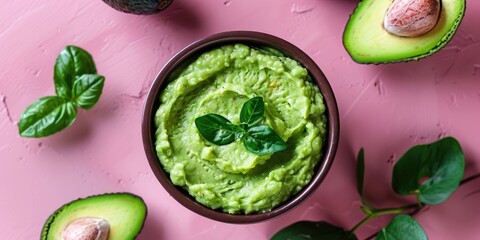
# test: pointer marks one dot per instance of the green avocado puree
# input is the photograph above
(230, 178)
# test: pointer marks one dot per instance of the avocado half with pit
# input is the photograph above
(140, 7)
(124, 214)
(367, 41)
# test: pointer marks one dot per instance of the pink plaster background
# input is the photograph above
(385, 109)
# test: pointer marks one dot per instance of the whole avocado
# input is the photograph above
(140, 7)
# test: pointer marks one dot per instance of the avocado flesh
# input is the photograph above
(124, 212)
(368, 42)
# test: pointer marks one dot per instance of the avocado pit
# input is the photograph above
(411, 18)
(87, 228)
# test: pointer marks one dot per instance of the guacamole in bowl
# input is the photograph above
(218, 77)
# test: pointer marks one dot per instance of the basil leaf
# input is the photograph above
(262, 140)
(402, 227)
(71, 62)
(216, 129)
(252, 111)
(360, 171)
(441, 163)
(46, 116)
(306, 230)
(87, 90)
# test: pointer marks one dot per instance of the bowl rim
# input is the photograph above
(253, 38)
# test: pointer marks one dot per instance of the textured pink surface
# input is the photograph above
(385, 109)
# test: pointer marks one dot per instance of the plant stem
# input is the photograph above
(416, 207)
(385, 211)
(379, 212)
(469, 179)
(368, 218)
(420, 206)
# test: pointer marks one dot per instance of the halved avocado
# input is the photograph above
(124, 212)
(368, 42)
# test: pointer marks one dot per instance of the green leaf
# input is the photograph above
(360, 180)
(441, 164)
(46, 116)
(216, 129)
(252, 111)
(306, 230)
(360, 171)
(262, 140)
(402, 227)
(87, 90)
(71, 62)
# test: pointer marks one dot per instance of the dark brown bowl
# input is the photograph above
(186, 56)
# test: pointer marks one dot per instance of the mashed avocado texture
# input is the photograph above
(230, 178)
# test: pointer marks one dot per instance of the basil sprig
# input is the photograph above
(77, 84)
(258, 139)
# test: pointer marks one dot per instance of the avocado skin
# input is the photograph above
(51, 219)
(440, 45)
(139, 7)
